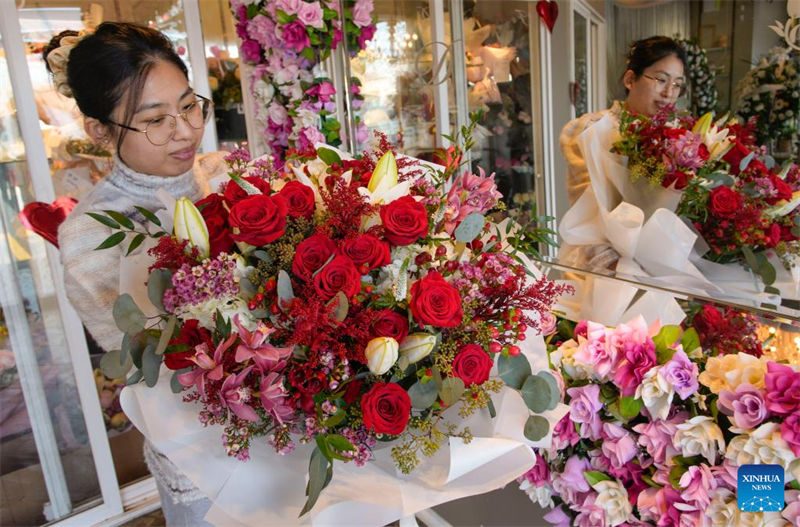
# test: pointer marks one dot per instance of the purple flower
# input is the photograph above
(558, 517)
(746, 405)
(584, 408)
(590, 515)
(311, 15)
(656, 437)
(790, 432)
(783, 389)
(725, 474)
(262, 30)
(697, 483)
(251, 51)
(295, 35)
(290, 7)
(637, 359)
(618, 445)
(682, 374)
(571, 485)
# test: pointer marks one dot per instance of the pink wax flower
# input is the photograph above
(636, 360)
(746, 405)
(790, 432)
(697, 483)
(783, 389)
(311, 14)
(295, 35)
(236, 397)
(570, 484)
(584, 408)
(682, 374)
(362, 13)
(558, 518)
(251, 51)
(618, 444)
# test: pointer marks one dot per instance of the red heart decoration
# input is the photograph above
(44, 218)
(548, 12)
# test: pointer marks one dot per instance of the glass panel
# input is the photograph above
(39, 407)
(580, 88)
(222, 60)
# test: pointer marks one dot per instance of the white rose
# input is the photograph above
(613, 499)
(381, 354)
(656, 393)
(265, 91)
(416, 347)
(699, 436)
(723, 510)
(766, 446)
(542, 495)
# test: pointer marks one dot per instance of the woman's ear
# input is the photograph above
(97, 131)
(628, 78)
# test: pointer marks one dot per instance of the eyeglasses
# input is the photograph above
(662, 82)
(160, 130)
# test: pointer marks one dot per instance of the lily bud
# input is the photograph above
(384, 177)
(190, 226)
(381, 354)
(417, 346)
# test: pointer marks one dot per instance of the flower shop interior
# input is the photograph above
(516, 71)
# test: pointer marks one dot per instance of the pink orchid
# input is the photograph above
(254, 345)
(236, 396)
(470, 193)
(274, 398)
(207, 367)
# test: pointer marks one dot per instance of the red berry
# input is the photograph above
(513, 351)
(522, 328)
(451, 266)
(521, 336)
(495, 347)
(441, 250)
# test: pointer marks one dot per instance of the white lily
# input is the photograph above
(783, 207)
(383, 185)
(190, 226)
(716, 140)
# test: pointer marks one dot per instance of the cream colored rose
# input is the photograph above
(723, 510)
(656, 393)
(726, 372)
(575, 368)
(541, 495)
(416, 347)
(700, 435)
(613, 499)
(381, 354)
(765, 446)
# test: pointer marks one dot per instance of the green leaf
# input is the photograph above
(535, 392)
(318, 478)
(452, 388)
(134, 345)
(536, 428)
(750, 258)
(470, 227)
(120, 218)
(136, 242)
(262, 255)
(746, 161)
(158, 282)
(108, 222)
(340, 443)
(127, 315)
(555, 391)
(151, 364)
(668, 336)
(252, 11)
(342, 306)
(513, 370)
(285, 291)
(335, 419)
(114, 365)
(492, 410)
(111, 241)
(773, 290)
(328, 156)
(152, 218)
(134, 378)
(767, 272)
(629, 407)
(690, 340)
(174, 384)
(423, 395)
(308, 53)
(594, 477)
(166, 335)
(675, 475)
(223, 325)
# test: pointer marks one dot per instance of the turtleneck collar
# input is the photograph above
(143, 187)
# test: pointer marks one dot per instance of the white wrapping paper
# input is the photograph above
(636, 221)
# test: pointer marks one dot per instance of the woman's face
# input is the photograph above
(166, 91)
(657, 86)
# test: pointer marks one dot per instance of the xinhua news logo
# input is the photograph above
(760, 488)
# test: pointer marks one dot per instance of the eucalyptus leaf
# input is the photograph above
(555, 391)
(111, 241)
(318, 467)
(513, 370)
(285, 291)
(135, 346)
(452, 388)
(262, 255)
(536, 428)
(470, 227)
(342, 306)
(166, 335)
(423, 395)
(134, 378)
(535, 392)
(750, 258)
(175, 384)
(157, 283)
(114, 366)
(151, 364)
(746, 161)
(767, 272)
(127, 315)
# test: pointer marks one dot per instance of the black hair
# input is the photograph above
(646, 52)
(109, 67)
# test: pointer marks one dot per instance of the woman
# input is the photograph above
(133, 91)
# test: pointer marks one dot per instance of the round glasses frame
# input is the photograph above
(663, 83)
(205, 107)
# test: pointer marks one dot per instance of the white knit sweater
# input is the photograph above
(92, 277)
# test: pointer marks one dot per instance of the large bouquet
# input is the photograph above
(740, 202)
(657, 429)
(338, 302)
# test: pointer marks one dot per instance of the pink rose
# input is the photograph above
(790, 432)
(290, 7)
(697, 483)
(251, 51)
(597, 352)
(295, 36)
(783, 389)
(584, 408)
(682, 374)
(570, 484)
(656, 437)
(362, 13)
(311, 15)
(792, 510)
(637, 359)
(618, 445)
(558, 518)
(564, 434)
(746, 405)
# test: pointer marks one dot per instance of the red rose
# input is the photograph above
(774, 235)
(311, 254)
(219, 235)
(351, 391)
(680, 178)
(339, 275)
(724, 202)
(191, 335)
(390, 324)
(782, 189)
(472, 365)
(299, 199)
(367, 250)
(405, 221)
(234, 193)
(709, 322)
(386, 408)
(211, 206)
(735, 155)
(260, 219)
(435, 302)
